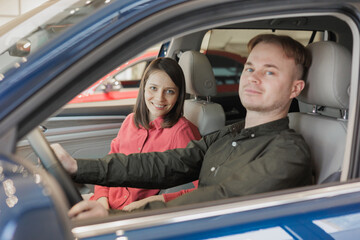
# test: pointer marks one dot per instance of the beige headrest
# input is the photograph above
(199, 77)
(328, 79)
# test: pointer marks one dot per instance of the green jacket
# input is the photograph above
(231, 162)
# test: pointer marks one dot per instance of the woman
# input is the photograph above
(157, 124)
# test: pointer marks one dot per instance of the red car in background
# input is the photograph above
(227, 68)
(123, 82)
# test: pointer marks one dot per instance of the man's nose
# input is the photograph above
(255, 77)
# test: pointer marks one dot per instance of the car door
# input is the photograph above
(86, 125)
(228, 217)
(293, 218)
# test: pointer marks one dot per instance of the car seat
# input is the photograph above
(200, 82)
(327, 85)
(206, 115)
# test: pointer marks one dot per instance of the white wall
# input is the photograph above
(10, 9)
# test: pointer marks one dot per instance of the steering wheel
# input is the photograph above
(52, 164)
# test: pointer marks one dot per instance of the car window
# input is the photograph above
(273, 233)
(341, 227)
(17, 45)
(129, 77)
(121, 83)
(227, 50)
(227, 68)
(132, 73)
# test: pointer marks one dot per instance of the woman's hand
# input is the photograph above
(103, 201)
(68, 162)
(142, 202)
(87, 209)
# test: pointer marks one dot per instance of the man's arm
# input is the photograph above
(144, 170)
(282, 166)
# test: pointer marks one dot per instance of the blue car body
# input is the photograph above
(29, 207)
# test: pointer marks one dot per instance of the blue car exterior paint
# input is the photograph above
(25, 204)
(20, 83)
(298, 224)
(298, 220)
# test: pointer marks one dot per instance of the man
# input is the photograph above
(259, 154)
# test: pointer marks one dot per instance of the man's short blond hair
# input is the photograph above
(292, 49)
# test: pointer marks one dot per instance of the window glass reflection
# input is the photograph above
(341, 227)
(268, 233)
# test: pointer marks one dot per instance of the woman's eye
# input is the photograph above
(152, 88)
(249, 69)
(269, 73)
(170, 92)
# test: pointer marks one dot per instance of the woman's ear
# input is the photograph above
(298, 86)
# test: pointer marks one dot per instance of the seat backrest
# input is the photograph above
(200, 82)
(327, 85)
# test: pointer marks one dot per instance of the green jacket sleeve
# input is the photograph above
(144, 170)
(284, 165)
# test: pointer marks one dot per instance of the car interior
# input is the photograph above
(327, 89)
(320, 113)
(200, 81)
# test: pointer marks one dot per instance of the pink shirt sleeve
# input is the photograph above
(172, 196)
(181, 139)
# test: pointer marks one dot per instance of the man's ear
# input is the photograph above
(297, 87)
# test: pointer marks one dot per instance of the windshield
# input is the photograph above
(29, 33)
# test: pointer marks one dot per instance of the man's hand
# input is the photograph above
(87, 209)
(67, 161)
(142, 202)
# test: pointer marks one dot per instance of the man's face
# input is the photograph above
(267, 83)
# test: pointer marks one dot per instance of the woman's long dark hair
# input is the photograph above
(174, 71)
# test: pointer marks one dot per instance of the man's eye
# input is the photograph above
(269, 73)
(249, 69)
(152, 88)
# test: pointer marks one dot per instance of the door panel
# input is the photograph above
(82, 137)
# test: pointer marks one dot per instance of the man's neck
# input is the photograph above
(254, 118)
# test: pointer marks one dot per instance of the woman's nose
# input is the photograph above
(159, 95)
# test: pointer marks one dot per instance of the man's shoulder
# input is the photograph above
(292, 139)
(232, 129)
(291, 133)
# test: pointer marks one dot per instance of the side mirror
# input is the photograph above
(110, 85)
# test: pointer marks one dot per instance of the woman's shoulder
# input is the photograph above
(182, 132)
(129, 118)
(184, 124)
(128, 121)
(183, 121)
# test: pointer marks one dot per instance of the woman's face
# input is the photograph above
(161, 94)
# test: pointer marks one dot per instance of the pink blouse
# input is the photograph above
(131, 139)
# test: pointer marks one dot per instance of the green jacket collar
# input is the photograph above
(263, 129)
